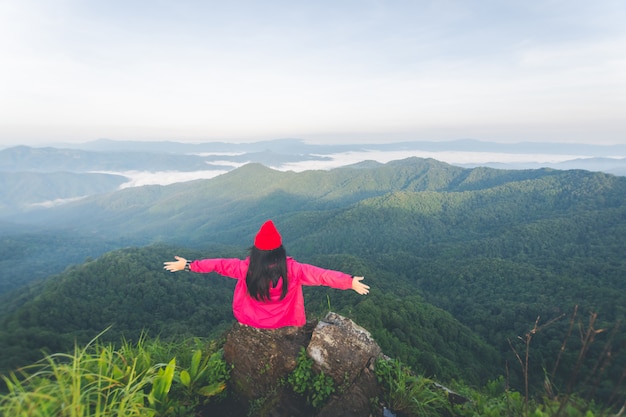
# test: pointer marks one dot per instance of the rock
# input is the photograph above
(262, 360)
(356, 399)
(341, 348)
(453, 397)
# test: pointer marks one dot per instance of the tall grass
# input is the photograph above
(99, 380)
(583, 378)
(416, 396)
(410, 394)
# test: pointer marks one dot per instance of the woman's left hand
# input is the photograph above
(359, 287)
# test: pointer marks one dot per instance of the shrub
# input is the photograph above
(303, 380)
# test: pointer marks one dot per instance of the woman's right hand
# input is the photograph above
(177, 265)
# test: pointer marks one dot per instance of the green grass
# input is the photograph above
(410, 394)
(133, 380)
(414, 395)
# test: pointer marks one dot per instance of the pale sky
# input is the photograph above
(323, 71)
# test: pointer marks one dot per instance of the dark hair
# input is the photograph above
(266, 266)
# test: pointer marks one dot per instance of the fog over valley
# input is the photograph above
(331, 161)
(40, 178)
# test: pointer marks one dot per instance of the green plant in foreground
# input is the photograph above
(205, 377)
(161, 385)
(316, 387)
(100, 381)
(496, 400)
(410, 394)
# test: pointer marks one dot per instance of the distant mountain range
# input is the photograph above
(107, 155)
(298, 146)
(33, 178)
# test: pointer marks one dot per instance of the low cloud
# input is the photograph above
(56, 202)
(450, 157)
(141, 178)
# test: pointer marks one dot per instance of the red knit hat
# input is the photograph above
(268, 237)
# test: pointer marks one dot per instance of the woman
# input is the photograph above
(268, 294)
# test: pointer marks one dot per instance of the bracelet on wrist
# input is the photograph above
(187, 266)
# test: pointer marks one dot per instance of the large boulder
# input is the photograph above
(341, 348)
(346, 352)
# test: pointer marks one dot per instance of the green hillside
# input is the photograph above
(129, 290)
(469, 251)
(28, 191)
(195, 212)
(51, 160)
(29, 254)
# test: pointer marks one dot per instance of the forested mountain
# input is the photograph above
(129, 290)
(29, 254)
(216, 204)
(496, 249)
(35, 178)
(26, 191)
(24, 158)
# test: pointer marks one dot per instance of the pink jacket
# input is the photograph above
(274, 313)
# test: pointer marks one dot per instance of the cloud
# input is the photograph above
(196, 70)
(56, 202)
(451, 157)
(141, 178)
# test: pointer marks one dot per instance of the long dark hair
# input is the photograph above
(266, 266)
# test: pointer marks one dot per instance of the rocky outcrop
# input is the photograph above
(263, 359)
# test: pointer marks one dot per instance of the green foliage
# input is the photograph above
(316, 387)
(126, 290)
(161, 385)
(79, 384)
(29, 191)
(32, 255)
(414, 395)
(100, 381)
(503, 402)
(206, 375)
(426, 338)
(409, 394)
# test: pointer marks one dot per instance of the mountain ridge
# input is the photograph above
(228, 208)
(302, 146)
(159, 156)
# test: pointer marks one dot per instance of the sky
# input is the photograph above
(323, 71)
